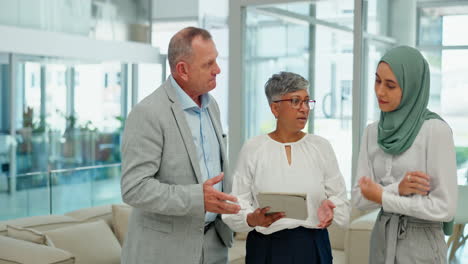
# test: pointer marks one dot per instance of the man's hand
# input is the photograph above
(414, 182)
(325, 213)
(216, 201)
(260, 218)
(370, 190)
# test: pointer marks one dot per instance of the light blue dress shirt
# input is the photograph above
(204, 137)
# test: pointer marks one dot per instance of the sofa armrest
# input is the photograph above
(358, 238)
(337, 236)
(19, 251)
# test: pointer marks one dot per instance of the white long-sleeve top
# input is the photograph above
(432, 152)
(263, 167)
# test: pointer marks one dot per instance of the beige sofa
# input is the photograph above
(94, 236)
(84, 236)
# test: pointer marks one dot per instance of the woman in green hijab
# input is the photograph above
(406, 165)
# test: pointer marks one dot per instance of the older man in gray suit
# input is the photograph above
(173, 162)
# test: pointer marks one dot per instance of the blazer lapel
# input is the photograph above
(184, 129)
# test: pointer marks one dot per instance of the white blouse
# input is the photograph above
(263, 167)
(432, 152)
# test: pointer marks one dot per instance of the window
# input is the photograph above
(443, 40)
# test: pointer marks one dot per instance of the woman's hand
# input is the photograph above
(325, 213)
(370, 190)
(414, 182)
(260, 217)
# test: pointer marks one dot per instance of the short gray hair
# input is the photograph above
(180, 45)
(282, 83)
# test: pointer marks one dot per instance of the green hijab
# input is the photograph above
(398, 129)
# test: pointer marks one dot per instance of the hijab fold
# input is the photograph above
(398, 129)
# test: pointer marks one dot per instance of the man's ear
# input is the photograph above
(275, 109)
(182, 70)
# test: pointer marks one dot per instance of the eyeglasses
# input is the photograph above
(296, 103)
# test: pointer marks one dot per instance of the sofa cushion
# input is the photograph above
(338, 256)
(39, 223)
(237, 251)
(364, 222)
(359, 230)
(28, 234)
(90, 243)
(19, 251)
(241, 235)
(120, 215)
(337, 236)
(92, 214)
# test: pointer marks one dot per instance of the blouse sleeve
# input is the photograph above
(335, 188)
(440, 204)
(241, 188)
(363, 169)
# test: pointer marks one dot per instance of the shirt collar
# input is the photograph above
(185, 101)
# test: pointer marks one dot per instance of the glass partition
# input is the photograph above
(72, 189)
(68, 123)
(61, 191)
(31, 196)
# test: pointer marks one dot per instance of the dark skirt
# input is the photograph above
(290, 246)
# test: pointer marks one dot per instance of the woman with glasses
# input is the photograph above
(406, 165)
(290, 161)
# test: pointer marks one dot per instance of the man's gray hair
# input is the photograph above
(180, 46)
(282, 83)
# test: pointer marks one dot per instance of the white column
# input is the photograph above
(236, 83)
(403, 24)
(358, 108)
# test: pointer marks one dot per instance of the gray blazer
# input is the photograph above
(162, 181)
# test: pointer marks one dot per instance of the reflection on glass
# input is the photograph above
(31, 196)
(64, 190)
(93, 186)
